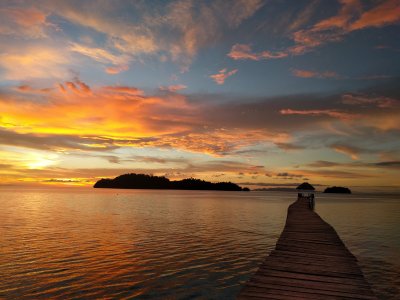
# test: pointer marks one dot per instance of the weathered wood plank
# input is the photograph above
(314, 256)
(320, 286)
(310, 261)
(301, 290)
(274, 273)
(317, 263)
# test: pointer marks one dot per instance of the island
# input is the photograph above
(338, 190)
(144, 181)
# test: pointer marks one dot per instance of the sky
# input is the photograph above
(261, 93)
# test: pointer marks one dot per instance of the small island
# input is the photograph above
(143, 181)
(337, 190)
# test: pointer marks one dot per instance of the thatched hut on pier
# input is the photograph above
(306, 190)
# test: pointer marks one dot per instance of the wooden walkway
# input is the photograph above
(310, 261)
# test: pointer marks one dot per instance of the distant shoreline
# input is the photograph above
(143, 181)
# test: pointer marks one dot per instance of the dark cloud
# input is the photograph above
(112, 159)
(64, 180)
(358, 164)
(313, 112)
(249, 152)
(160, 160)
(54, 141)
(388, 164)
(289, 146)
(323, 164)
(287, 175)
(6, 166)
(224, 166)
(335, 174)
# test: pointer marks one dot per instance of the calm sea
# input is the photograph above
(122, 244)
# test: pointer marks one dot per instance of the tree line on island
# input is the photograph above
(337, 190)
(143, 181)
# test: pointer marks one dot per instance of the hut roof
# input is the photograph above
(305, 186)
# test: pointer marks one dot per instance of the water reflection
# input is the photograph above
(124, 244)
(369, 226)
(179, 244)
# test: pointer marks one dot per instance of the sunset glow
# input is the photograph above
(260, 93)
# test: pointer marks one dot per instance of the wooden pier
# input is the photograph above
(310, 261)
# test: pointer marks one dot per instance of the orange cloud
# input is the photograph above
(75, 116)
(216, 142)
(381, 102)
(62, 88)
(117, 111)
(26, 22)
(173, 88)
(116, 69)
(347, 150)
(222, 75)
(313, 74)
(133, 91)
(242, 51)
(349, 9)
(101, 55)
(307, 40)
(320, 112)
(350, 17)
(29, 89)
(194, 24)
(385, 121)
(126, 37)
(34, 62)
(202, 24)
(76, 86)
(385, 13)
(24, 88)
(83, 86)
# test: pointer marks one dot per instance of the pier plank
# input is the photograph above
(309, 261)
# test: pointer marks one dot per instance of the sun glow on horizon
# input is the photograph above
(36, 161)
